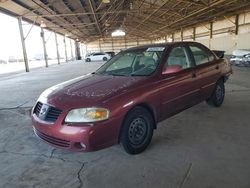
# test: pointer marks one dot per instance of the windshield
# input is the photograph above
(140, 62)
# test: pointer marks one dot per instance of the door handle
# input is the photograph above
(193, 75)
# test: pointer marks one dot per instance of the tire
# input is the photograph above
(218, 95)
(88, 59)
(105, 59)
(137, 130)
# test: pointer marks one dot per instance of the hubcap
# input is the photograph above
(137, 131)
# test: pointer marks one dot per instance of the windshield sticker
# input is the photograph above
(155, 49)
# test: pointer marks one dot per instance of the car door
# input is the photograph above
(100, 56)
(207, 69)
(94, 56)
(178, 90)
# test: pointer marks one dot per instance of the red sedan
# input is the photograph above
(123, 101)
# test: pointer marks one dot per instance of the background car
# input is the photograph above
(99, 56)
(240, 57)
(112, 54)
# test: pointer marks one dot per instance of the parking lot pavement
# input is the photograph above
(200, 147)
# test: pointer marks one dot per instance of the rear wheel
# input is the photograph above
(105, 59)
(137, 130)
(218, 95)
(88, 59)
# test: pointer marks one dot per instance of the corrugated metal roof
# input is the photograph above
(88, 20)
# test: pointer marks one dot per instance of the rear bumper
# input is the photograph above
(85, 137)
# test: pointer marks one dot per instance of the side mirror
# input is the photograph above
(171, 69)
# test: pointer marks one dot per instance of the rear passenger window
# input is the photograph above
(201, 56)
(179, 56)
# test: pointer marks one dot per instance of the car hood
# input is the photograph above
(89, 90)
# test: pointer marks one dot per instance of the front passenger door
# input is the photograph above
(179, 90)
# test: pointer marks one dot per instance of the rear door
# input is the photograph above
(207, 69)
(178, 91)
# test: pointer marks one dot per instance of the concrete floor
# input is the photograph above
(202, 147)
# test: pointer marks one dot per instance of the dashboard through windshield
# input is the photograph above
(139, 62)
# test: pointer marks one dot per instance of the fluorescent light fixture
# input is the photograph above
(42, 24)
(106, 1)
(118, 33)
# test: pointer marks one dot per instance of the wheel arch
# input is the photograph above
(146, 106)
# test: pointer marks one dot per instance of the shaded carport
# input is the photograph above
(201, 147)
(144, 21)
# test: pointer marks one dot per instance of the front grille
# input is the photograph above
(52, 140)
(46, 112)
(38, 108)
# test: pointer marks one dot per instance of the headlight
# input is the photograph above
(87, 115)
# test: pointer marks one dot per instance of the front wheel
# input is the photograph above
(137, 130)
(218, 95)
(105, 59)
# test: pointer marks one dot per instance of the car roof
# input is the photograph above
(167, 44)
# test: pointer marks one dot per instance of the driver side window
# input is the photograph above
(179, 56)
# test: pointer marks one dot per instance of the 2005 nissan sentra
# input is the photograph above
(123, 101)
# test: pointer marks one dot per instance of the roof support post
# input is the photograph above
(194, 34)
(82, 50)
(71, 49)
(237, 24)
(44, 48)
(57, 51)
(125, 42)
(172, 37)
(100, 49)
(181, 34)
(112, 43)
(211, 30)
(77, 51)
(65, 49)
(23, 45)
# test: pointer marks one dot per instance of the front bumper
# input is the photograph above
(78, 137)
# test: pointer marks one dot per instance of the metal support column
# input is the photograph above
(112, 44)
(82, 50)
(194, 34)
(181, 34)
(44, 48)
(77, 50)
(210, 33)
(125, 42)
(172, 37)
(23, 45)
(211, 30)
(71, 49)
(57, 51)
(100, 49)
(65, 48)
(237, 24)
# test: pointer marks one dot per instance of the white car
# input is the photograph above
(239, 57)
(99, 56)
